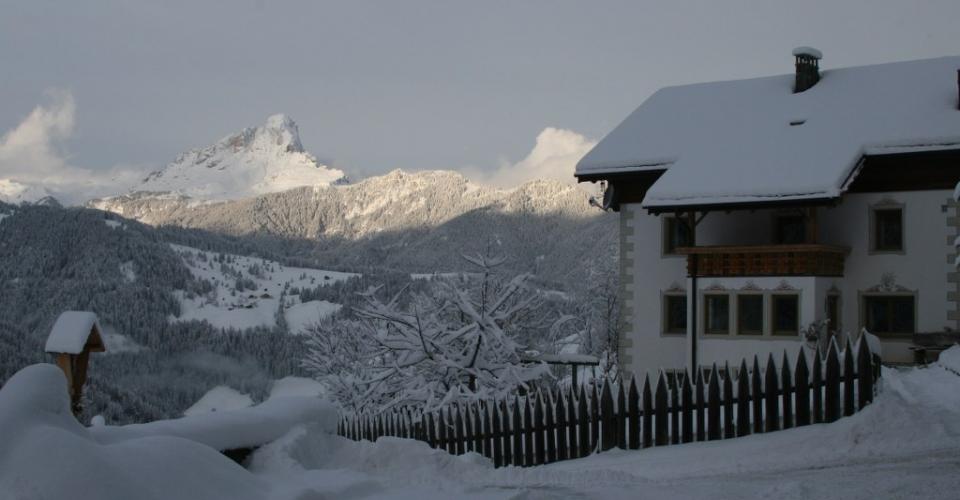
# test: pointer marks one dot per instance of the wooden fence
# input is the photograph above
(544, 428)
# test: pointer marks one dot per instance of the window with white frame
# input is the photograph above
(785, 314)
(716, 314)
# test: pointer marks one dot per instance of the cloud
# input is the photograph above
(554, 156)
(33, 162)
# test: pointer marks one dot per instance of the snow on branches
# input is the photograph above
(459, 340)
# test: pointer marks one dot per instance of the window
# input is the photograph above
(674, 314)
(888, 229)
(750, 314)
(889, 313)
(716, 313)
(785, 314)
(833, 312)
(676, 234)
(790, 230)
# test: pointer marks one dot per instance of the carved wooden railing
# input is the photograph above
(765, 260)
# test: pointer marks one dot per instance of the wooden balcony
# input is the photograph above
(765, 260)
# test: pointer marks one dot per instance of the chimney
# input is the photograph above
(808, 68)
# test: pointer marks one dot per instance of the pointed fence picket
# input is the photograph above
(542, 428)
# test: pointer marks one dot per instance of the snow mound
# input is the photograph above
(239, 428)
(296, 387)
(46, 453)
(255, 161)
(220, 398)
(950, 359)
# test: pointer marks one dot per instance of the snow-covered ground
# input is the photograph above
(904, 445)
(226, 307)
(220, 398)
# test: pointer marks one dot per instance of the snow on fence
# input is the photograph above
(540, 429)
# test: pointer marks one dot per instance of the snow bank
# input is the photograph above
(296, 386)
(45, 453)
(240, 428)
(220, 398)
(906, 444)
(950, 359)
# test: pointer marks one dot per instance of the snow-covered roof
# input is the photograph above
(755, 140)
(71, 332)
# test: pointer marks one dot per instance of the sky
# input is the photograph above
(500, 90)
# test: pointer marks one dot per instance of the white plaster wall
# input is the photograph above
(924, 267)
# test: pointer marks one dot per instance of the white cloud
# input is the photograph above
(32, 162)
(554, 156)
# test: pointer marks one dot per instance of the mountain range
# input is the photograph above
(260, 182)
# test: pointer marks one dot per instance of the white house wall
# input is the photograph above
(930, 222)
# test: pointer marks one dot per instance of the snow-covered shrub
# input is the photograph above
(459, 340)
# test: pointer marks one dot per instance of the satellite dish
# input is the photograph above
(610, 199)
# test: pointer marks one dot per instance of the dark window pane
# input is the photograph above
(888, 230)
(678, 234)
(790, 230)
(833, 313)
(717, 314)
(750, 314)
(786, 314)
(675, 314)
(893, 314)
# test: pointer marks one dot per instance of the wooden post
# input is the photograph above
(505, 429)
(573, 449)
(583, 424)
(832, 403)
(551, 429)
(647, 413)
(757, 391)
(482, 443)
(661, 438)
(539, 443)
(495, 433)
(802, 383)
(621, 417)
(517, 433)
(743, 400)
(848, 381)
(442, 432)
(729, 430)
(786, 381)
(633, 415)
(817, 388)
(595, 420)
(608, 432)
(563, 452)
(701, 406)
(431, 431)
(864, 374)
(468, 432)
(686, 409)
(713, 405)
(770, 397)
(675, 408)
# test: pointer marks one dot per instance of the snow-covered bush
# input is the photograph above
(461, 339)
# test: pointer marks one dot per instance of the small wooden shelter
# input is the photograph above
(74, 336)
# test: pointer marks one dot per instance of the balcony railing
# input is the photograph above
(765, 260)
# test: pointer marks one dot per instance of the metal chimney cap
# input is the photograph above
(808, 51)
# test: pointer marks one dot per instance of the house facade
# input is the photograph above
(752, 211)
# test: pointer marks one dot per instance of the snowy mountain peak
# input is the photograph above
(254, 161)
